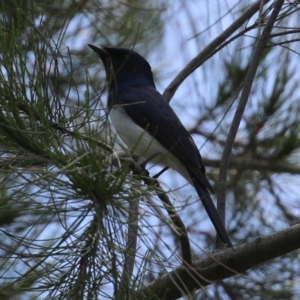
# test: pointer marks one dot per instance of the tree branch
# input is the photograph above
(258, 165)
(241, 108)
(223, 264)
(179, 227)
(131, 244)
(201, 57)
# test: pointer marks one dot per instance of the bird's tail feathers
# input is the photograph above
(212, 212)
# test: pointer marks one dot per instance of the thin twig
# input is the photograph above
(179, 226)
(200, 58)
(56, 126)
(178, 223)
(258, 165)
(241, 108)
(284, 42)
(285, 33)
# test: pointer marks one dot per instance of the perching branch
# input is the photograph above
(179, 227)
(221, 265)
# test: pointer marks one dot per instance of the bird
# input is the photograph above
(148, 125)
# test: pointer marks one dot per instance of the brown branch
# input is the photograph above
(221, 265)
(284, 42)
(179, 227)
(131, 244)
(201, 57)
(221, 194)
(284, 33)
(258, 165)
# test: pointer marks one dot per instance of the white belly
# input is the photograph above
(142, 143)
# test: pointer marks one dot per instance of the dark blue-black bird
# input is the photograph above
(147, 124)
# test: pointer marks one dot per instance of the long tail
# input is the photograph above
(211, 210)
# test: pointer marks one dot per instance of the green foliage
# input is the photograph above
(68, 204)
(59, 191)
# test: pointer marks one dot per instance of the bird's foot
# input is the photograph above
(161, 172)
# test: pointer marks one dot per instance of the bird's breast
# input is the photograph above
(143, 143)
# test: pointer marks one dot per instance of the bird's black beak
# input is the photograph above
(99, 50)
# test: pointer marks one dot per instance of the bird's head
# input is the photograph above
(124, 67)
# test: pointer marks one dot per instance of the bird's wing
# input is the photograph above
(147, 108)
